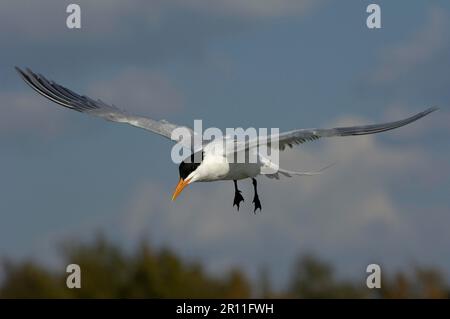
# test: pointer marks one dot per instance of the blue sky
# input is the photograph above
(286, 64)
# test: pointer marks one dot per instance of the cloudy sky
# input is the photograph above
(260, 63)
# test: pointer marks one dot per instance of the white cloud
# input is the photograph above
(405, 57)
(139, 91)
(25, 112)
(412, 75)
(45, 19)
(252, 8)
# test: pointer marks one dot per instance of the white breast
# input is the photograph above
(215, 166)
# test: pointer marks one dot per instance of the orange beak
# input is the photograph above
(181, 185)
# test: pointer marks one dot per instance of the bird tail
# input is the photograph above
(277, 171)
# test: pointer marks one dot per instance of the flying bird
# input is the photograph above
(206, 164)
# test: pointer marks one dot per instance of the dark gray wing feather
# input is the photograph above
(67, 98)
(300, 136)
(305, 135)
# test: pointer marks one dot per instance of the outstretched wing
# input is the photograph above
(304, 135)
(67, 98)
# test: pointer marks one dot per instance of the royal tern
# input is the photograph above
(204, 164)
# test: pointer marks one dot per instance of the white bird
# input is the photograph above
(207, 163)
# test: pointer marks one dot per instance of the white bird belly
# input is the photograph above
(243, 170)
(214, 169)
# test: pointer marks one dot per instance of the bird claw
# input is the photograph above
(257, 204)
(237, 199)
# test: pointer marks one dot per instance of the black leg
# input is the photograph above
(256, 198)
(237, 196)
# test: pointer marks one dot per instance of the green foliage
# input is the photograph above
(28, 280)
(313, 278)
(108, 272)
(420, 283)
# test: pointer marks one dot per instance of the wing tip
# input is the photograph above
(26, 74)
(426, 112)
(19, 70)
(432, 109)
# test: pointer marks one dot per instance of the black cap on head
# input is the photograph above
(190, 164)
